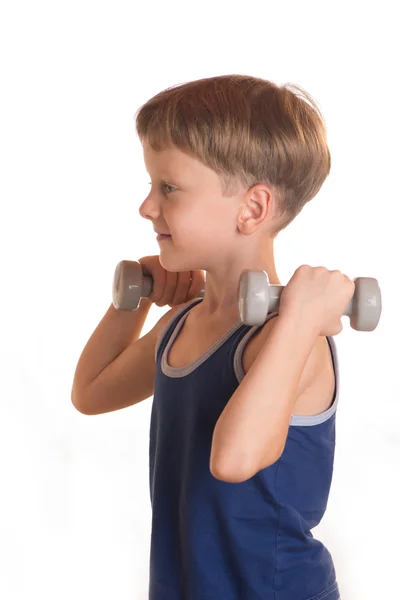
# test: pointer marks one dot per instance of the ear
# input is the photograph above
(255, 208)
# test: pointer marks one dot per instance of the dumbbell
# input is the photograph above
(256, 296)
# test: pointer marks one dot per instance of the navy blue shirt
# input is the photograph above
(214, 540)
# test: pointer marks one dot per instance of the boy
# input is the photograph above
(242, 433)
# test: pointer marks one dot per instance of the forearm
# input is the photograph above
(252, 429)
(115, 332)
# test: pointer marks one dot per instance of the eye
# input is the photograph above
(166, 185)
(171, 188)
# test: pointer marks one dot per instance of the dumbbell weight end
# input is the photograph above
(365, 307)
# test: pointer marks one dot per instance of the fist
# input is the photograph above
(318, 297)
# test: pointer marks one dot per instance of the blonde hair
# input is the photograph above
(249, 131)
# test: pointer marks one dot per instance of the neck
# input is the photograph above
(220, 302)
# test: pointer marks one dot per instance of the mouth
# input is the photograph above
(162, 236)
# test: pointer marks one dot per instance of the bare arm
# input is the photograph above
(115, 332)
(252, 429)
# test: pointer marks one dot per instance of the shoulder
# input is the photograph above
(255, 344)
(317, 383)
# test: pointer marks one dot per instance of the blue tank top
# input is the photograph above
(214, 540)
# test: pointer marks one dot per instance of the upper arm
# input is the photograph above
(314, 391)
(317, 385)
(129, 378)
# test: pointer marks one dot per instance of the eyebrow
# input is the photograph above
(169, 177)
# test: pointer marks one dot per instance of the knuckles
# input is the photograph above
(308, 270)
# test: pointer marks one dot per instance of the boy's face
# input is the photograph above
(186, 202)
(185, 199)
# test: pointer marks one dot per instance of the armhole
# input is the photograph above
(308, 421)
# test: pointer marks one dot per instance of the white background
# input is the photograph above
(74, 496)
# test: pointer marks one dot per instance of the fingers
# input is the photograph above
(159, 279)
(171, 288)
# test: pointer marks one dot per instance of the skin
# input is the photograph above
(220, 235)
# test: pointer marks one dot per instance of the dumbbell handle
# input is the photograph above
(275, 292)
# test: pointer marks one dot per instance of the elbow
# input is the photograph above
(240, 471)
(232, 472)
(228, 466)
(80, 409)
(79, 405)
(229, 475)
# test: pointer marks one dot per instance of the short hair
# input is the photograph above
(249, 131)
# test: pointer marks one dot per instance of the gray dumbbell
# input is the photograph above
(256, 296)
(130, 285)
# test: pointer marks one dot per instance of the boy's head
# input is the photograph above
(249, 132)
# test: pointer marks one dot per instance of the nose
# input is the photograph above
(149, 209)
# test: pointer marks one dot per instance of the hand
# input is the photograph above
(318, 297)
(170, 287)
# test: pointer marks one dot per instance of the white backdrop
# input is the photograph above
(74, 501)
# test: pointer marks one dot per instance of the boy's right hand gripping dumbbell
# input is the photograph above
(171, 288)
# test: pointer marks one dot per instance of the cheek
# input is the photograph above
(205, 220)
